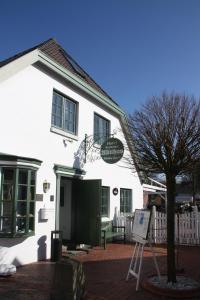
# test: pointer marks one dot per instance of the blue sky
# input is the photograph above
(133, 48)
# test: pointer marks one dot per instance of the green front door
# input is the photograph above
(87, 211)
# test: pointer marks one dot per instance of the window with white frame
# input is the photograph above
(125, 200)
(64, 113)
(105, 201)
(101, 129)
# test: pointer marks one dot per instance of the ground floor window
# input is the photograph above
(125, 200)
(105, 201)
(17, 201)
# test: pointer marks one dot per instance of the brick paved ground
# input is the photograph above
(105, 271)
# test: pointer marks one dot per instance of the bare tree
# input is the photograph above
(165, 135)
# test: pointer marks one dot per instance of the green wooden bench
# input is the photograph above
(109, 231)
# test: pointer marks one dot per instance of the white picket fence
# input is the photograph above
(187, 227)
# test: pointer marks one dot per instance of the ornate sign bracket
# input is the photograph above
(111, 151)
(90, 142)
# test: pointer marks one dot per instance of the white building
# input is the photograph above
(54, 118)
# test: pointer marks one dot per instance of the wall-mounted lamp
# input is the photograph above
(66, 140)
(46, 186)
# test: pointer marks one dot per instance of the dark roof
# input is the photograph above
(10, 157)
(58, 54)
(20, 54)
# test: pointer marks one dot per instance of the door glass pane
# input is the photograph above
(21, 225)
(22, 192)
(31, 224)
(33, 177)
(7, 192)
(105, 201)
(32, 193)
(6, 209)
(32, 208)
(5, 225)
(8, 184)
(21, 208)
(23, 177)
(6, 205)
(8, 175)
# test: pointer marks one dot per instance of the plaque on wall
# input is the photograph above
(39, 197)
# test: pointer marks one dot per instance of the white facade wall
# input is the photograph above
(25, 123)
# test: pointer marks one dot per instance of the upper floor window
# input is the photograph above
(101, 129)
(17, 201)
(64, 113)
(125, 200)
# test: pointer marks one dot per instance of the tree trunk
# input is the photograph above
(171, 265)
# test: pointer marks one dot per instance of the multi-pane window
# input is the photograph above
(105, 201)
(125, 200)
(17, 201)
(6, 204)
(101, 129)
(64, 112)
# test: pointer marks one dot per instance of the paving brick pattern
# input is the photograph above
(105, 272)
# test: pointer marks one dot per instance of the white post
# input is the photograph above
(115, 218)
(57, 215)
(154, 224)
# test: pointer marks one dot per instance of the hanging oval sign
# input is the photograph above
(112, 150)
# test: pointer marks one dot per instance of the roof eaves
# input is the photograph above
(22, 53)
(18, 64)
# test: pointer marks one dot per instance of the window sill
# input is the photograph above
(64, 133)
(105, 219)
